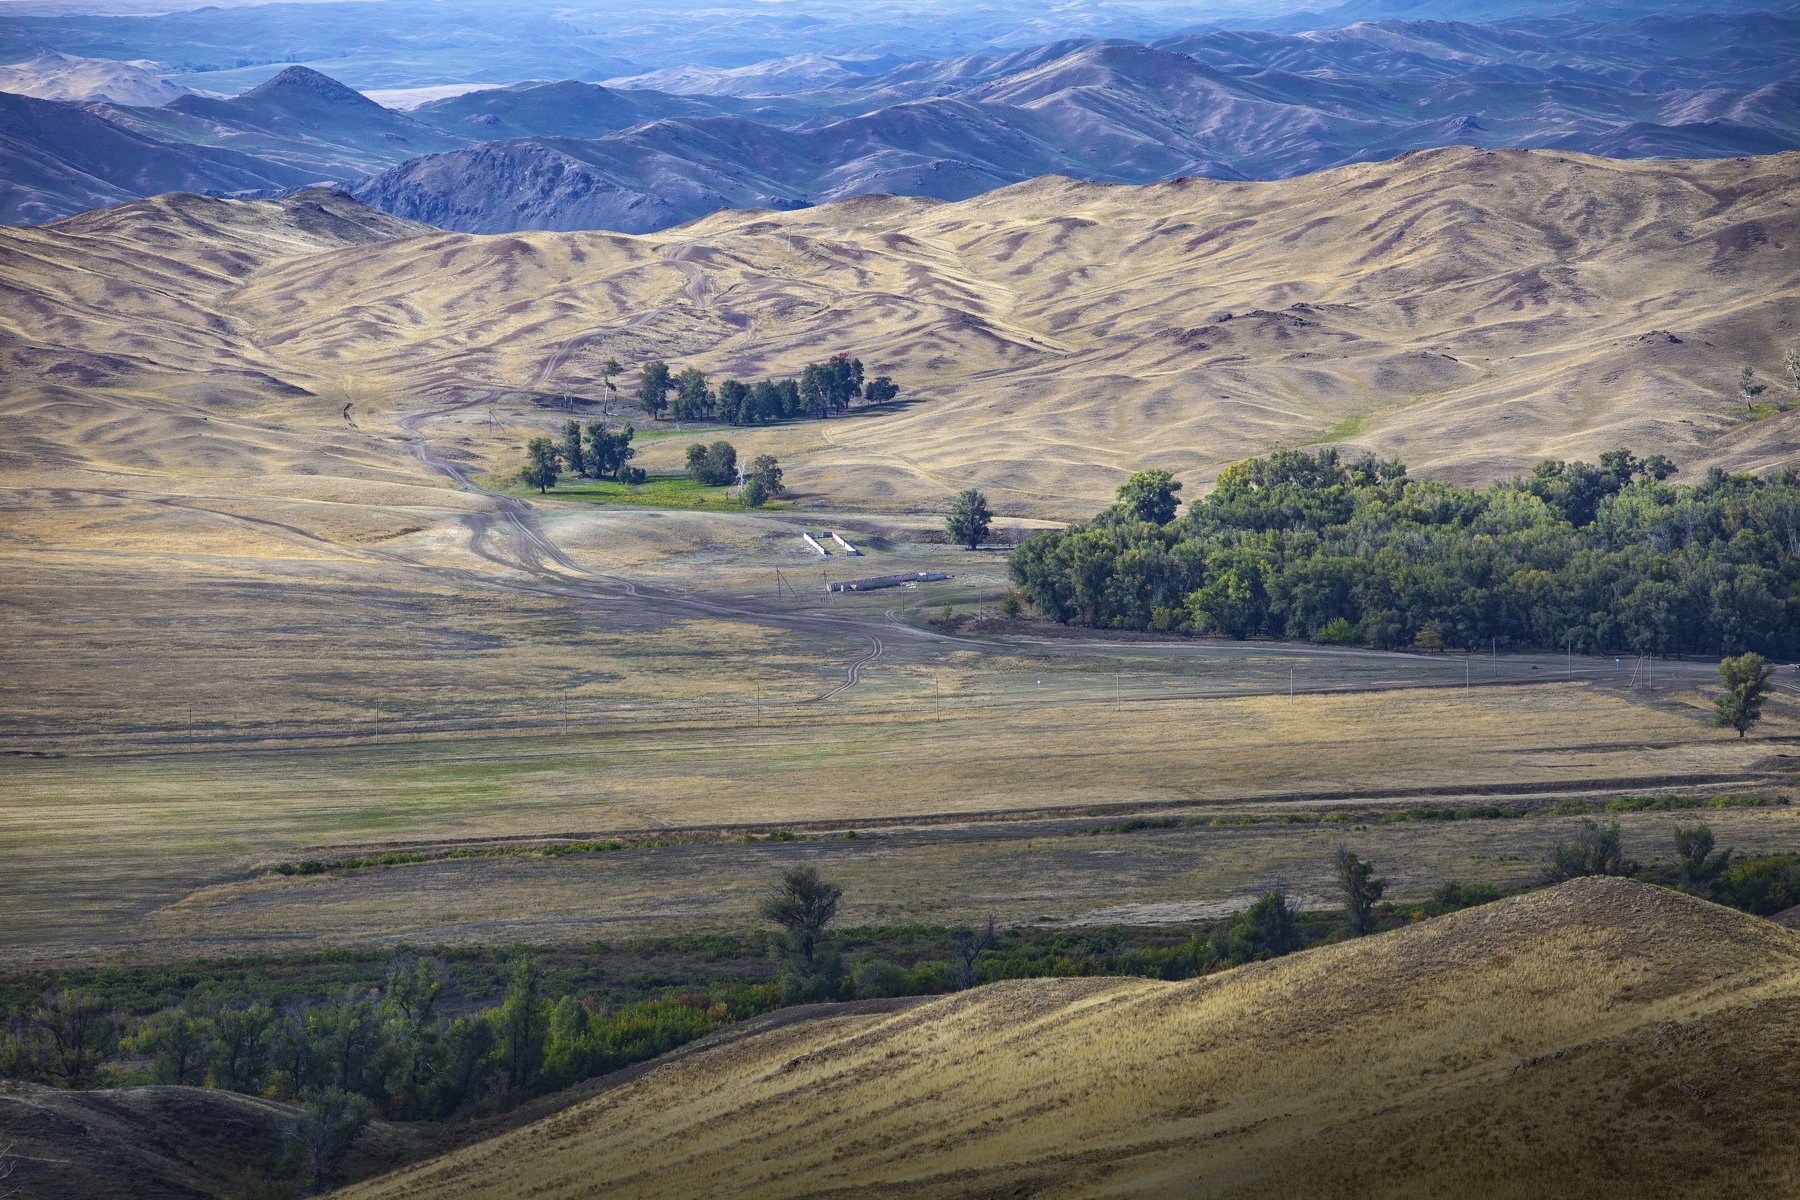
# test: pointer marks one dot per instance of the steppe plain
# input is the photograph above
(247, 626)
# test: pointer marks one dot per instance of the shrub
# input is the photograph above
(1595, 851)
(1339, 631)
(874, 978)
(1267, 929)
(1452, 896)
(1763, 886)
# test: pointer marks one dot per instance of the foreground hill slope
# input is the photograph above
(1602, 1038)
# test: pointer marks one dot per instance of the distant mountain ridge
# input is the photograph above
(64, 158)
(1237, 104)
(1229, 105)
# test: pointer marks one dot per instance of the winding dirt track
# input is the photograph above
(533, 553)
(532, 550)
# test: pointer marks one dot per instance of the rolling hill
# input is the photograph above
(1469, 311)
(1599, 1039)
(52, 76)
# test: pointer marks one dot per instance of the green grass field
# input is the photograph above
(660, 491)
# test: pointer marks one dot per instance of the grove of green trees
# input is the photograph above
(822, 389)
(1610, 556)
(599, 453)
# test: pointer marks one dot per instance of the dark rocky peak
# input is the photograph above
(305, 86)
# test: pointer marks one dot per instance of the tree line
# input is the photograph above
(402, 1050)
(1593, 557)
(822, 390)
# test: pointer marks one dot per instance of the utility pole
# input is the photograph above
(1290, 685)
(937, 699)
(1465, 672)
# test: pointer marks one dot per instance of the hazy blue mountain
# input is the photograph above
(60, 158)
(409, 43)
(300, 119)
(1243, 104)
(571, 108)
(1223, 104)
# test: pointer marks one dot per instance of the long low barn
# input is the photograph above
(885, 581)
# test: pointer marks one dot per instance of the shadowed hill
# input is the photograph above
(156, 1143)
(1602, 1038)
(300, 119)
(61, 158)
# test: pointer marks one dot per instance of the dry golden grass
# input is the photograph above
(163, 855)
(1601, 1039)
(1469, 310)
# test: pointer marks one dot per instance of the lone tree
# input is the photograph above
(970, 518)
(714, 465)
(1150, 496)
(1749, 387)
(882, 389)
(765, 468)
(609, 371)
(1595, 851)
(1699, 863)
(803, 905)
(328, 1126)
(1747, 680)
(541, 463)
(1790, 362)
(966, 949)
(654, 382)
(608, 452)
(1361, 891)
(570, 449)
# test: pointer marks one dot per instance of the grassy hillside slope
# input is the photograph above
(1603, 1038)
(1471, 311)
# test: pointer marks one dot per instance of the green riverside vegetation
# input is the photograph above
(1574, 555)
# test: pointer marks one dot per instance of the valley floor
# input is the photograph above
(205, 689)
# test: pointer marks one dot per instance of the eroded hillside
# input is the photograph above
(1599, 1039)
